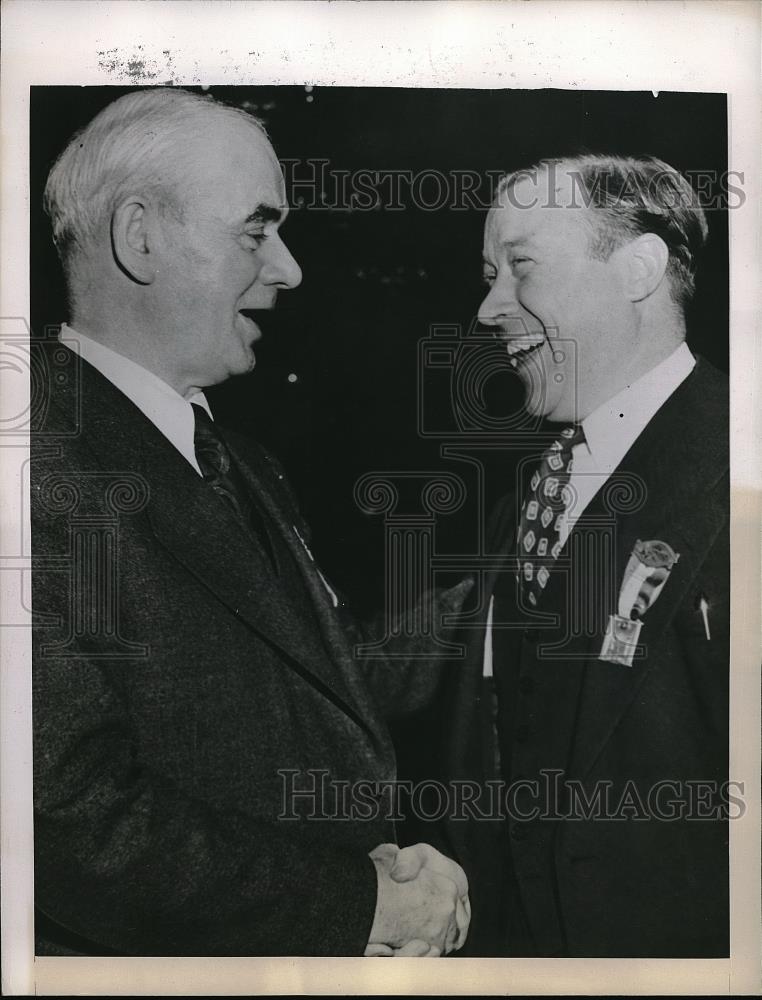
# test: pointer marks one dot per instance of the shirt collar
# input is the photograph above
(161, 404)
(613, 427)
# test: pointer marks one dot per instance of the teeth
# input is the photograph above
(517, 346)
(519, 349)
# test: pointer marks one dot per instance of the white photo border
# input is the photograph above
(653, 45)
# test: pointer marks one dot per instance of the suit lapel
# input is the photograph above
(684, 507)
(206, 538)
(681, 459)
(202, 534)
(262, 479)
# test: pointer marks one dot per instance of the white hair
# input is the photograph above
(132, 142)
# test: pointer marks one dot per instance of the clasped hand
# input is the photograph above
(422, 907)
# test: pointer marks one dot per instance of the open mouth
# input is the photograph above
(252, 318)
(520, 350)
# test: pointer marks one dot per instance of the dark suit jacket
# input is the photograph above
(173, 679)
(627, 886)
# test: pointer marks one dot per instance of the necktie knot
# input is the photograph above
(211, 451)
(569, 438)
(542, 515)
(222, 474)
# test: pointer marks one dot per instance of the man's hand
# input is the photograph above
(408, 863)
(415, 949)
(422, 907)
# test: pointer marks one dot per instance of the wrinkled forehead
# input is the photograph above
(538, 204)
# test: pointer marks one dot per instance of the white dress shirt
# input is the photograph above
(167, 410)
(610, 432)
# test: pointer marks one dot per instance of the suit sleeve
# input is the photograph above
(408, 672)
(127, 859)
(412, 671)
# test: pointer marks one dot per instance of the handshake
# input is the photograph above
(422, 907)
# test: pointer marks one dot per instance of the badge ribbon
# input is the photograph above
(645, 575)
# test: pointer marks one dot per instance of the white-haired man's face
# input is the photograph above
(223, 257)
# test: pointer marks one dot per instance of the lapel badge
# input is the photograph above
(645, 575)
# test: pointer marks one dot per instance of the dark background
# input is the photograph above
(374, 281)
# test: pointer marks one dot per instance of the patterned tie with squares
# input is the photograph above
(538, 543)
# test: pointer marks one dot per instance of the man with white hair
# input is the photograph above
(200, 725)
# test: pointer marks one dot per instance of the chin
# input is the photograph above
(244, 364)
(560, 415)
(549, 400)
(556, 411)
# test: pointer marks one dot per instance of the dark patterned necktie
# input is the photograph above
(221, 473)
(538, 543)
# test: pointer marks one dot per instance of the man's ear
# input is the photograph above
(130, 240)
(646, 264)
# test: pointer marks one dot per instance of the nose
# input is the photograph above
(500, 302)
(281, 269)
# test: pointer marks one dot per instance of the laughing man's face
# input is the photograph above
(553, 306)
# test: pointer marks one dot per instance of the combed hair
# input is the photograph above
(131, 143)
(632, 195)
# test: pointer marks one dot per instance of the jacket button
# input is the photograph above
(526, 685)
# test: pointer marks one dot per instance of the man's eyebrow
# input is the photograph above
(265, 213)
(521, 241)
